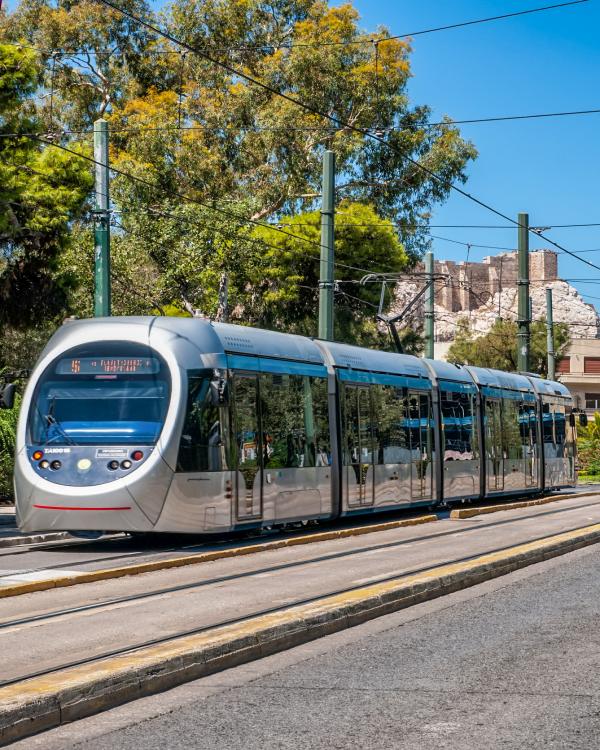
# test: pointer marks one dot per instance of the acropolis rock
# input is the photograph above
(483, 292)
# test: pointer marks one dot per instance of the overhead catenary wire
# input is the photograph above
(367, 40)
(230, 214)
(332, 118)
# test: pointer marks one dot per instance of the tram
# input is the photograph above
(160, 424)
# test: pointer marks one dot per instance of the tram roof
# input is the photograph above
(372, 360)
(448, 371)
(550, 387)
(500, 379)
(263, 343)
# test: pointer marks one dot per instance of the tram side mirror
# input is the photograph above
(219, 392)
(7, 395)
(583, 419)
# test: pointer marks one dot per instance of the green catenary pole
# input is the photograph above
(327, 255)
(523, 316)
(429, 310)
(101, 222)
(550, 336)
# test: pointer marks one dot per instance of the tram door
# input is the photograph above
(419, 419)
(249, 447)
(358, 453)
(528, 430)
(493, 445)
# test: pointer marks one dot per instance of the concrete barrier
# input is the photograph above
(45, 702)
(460, 513)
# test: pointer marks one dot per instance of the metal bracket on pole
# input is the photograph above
(392, 320)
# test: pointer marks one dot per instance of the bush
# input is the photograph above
(8, 428)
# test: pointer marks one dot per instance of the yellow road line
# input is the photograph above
(43, 702)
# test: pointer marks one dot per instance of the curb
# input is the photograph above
(179, 562)
(42, 703)
(17, 541)
(461, 513)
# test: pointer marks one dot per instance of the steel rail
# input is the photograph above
(7, 624)
(259, 613)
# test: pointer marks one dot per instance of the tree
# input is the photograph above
(41, 191)
(498, 347)
(199, 150)
(238, 141)
(286, 277)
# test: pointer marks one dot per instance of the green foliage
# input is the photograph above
(8, 428)
(241, 150)
(588, 446)
(498, 348)
(285, 278)
(40, 192)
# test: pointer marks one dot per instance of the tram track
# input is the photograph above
(255, 540)
(297, 602)
(157, 593)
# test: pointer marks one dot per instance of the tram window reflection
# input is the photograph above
(391, 425)
(294, 421)
(202, 446)
(460, 426)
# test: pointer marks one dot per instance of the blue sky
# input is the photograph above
(543, 62)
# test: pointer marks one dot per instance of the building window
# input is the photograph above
(592, 401)
(591, 365)
(564, 365)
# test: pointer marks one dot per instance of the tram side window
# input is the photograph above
(419, 416)
(358, 444)
(292, 427)
(511, 435)
(320, 409)
(528, 424)
(460, 426)
(560, 428)
(201, 447)
(390, 425)
(548, 427)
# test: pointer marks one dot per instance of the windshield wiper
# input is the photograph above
(51, 421)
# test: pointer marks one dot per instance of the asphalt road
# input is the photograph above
(512, 663)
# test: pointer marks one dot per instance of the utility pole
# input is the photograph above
(327, 255)
(524, 318)
(429, 310)
(101, 222)
(550, 335)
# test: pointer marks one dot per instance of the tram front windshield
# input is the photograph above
(109, 394)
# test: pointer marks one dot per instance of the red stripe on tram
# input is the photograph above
(73, 507)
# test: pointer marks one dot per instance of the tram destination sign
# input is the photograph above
(107, 366)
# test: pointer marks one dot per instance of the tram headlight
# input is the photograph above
(113, 465)
(44, 464)
(84, 464)
(55, 465)
(126, 464)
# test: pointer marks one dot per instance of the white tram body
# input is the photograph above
(182, 425)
